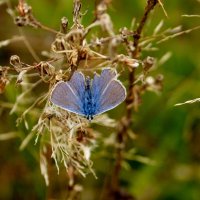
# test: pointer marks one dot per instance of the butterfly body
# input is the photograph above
(88, 97)
(89, 105)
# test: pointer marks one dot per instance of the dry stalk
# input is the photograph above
(127, 119)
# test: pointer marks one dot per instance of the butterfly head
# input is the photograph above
(87, 83)
(89, 117)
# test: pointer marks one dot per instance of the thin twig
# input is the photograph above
(178, 34)
(188, 102)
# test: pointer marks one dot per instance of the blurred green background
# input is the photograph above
(166, 134)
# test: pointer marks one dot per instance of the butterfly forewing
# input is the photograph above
(65, 96)
(77, 84)
(109, 92)
(114, 94)
(101, 82)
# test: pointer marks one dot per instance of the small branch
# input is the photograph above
(76, 11)
(188, 102)
(161, 4)
(150, 5)
(190, 15)
(178, 34)
(126, 121)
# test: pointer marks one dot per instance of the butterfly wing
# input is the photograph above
(68, 95)
(100, 82)
(108, 92)
(77, 83)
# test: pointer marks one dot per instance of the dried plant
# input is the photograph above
(69, 137)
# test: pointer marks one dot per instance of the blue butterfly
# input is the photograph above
(88, 97)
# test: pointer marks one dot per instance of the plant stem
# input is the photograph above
(127, 119)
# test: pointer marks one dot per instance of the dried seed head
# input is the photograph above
(25, 17)
(100, 9)
(64, 24)
(154, 84)
(23, 8)
(133, 63)
(16, 63)
(159, 78)
(59, 75)
(46, 70)
(21, 21)
(148, 63)
(74, 37)
(125, 32)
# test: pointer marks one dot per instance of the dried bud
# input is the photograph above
(16, 63)
(148, 63)
(133, 63)
(20, 21)
(59, 75)
(125, 32)
(159, 78)
(3, 79)
(23, 8)
(46, 70)
(150, 80)
(64, 24)
(101, 8)
(153, 84)
(25, 17)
